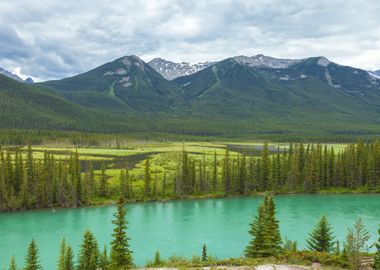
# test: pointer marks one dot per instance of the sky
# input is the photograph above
(51, 39)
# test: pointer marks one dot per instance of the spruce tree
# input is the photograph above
(13, 265)
(204, 253)
(104, 262)
(147, 178)
(376, 264)
(62, 256)
(121, 255)
(321, 238)
(69, 259)
(266, 239)
(157, 259)
(103, 191)
(31, 260)
(88, 258)
(356, 243)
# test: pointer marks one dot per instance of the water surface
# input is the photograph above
(181, 227)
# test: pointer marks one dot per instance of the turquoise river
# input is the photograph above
(181, 227)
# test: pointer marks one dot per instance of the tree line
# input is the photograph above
(265, 242)
(300, 168)
(28, 182)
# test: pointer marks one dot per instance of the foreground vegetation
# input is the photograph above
(37, 178)
(265, 246)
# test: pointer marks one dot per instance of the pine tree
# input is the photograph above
(121, 256)
(214, 180)
(356, 243)
(31, 260)
(104, 262)
(62, 256)
(88, 258)
(13, 265)
(147, 178)
(103, 191)
(157, 259)
(321, 238)
(204, 253)
(376, 264)
(266, 239)
(69, 259)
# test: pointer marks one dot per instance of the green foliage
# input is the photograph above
(12, 264)
(204, 253)
(32, 260)
(356, 243)
(88, 258)
(121, 255)
(266, 239)
(321, 237)
(376, 264)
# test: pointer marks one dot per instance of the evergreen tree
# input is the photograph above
(147, 178)
(121, 256)
(321, 238)
(157, 259)
(204, 253)
(69, 259)
(31, 260)
(356, 243)
(104, 262)
(88, 258)
(266, 239)
(103, 190)
(13, 265)
(62, 256)
(376, 264)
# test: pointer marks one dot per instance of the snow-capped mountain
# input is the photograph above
(171, 70)
(375, 74)
(14, 76)
(261, 60)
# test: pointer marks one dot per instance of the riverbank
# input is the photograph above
(111, 201)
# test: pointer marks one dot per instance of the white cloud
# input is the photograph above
(54, 39)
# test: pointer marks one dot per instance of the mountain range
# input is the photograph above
(14, 76)
(238, 96)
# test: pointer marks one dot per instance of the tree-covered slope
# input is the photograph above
(30, 107)
(312, 94)
(124, 85)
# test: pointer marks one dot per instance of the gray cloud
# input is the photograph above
(54, 39)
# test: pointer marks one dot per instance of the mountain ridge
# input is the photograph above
(238, 95)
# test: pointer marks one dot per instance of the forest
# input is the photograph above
(28, 182)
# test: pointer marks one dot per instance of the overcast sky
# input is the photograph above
(48, 39)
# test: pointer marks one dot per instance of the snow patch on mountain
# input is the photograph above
(171, 70)
(261, 60)
(323, 61)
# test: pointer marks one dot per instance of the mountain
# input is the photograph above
(171, 70)
(282, 95)
(14, 76)
(238, 96)
(125, 85)
(30, 107)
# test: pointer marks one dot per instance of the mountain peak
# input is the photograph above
(261, 60)
(14, 76)
(171, 70)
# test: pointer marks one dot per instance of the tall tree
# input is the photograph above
(88, 258)
(31, 260)
(147, 178)
(13, 265)
(266, 239)
(356, 243)
(321, 237)
(121, 255)
(376, 264)
(69, 259)
(62, 256)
